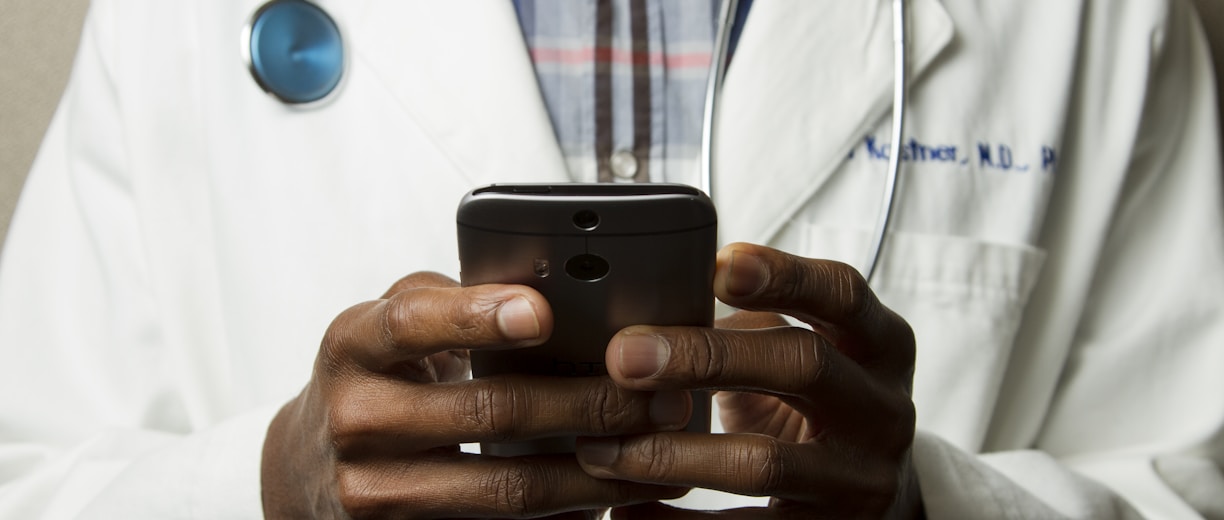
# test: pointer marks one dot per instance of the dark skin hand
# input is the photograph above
(822, 421)
(376, 431)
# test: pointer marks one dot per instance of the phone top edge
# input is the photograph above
(617, 209)
(587, 233)
(578, 189)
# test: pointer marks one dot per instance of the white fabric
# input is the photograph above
(184, 240)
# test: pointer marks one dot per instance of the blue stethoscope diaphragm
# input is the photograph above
(294, 50)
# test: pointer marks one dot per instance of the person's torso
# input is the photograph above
(297, 213)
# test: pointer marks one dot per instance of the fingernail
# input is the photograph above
(516, 319)
(642, 355)
(599, 451)
(746, 274)
(669, 409)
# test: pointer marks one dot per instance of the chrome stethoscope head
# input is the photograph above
(295, 51)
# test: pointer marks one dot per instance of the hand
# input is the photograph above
(820, 420)
(376, 431)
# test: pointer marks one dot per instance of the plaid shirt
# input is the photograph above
(624, 82)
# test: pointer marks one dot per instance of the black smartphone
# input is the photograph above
(606, 256)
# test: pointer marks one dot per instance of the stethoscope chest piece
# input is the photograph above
(294, 51)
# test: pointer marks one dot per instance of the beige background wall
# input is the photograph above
(37, 42)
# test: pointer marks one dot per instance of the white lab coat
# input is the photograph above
(184, 240)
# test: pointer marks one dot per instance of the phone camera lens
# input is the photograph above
(587, 268)
(586, 220)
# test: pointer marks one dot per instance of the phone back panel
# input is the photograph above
(605, 256)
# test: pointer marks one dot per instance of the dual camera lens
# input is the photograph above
(587, 267)
(586, 220)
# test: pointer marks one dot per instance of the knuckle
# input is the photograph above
(815, 362)
(435, 315)
(653, 458)
(878, 485)
(659, 453)
(439, 318)
(399, 317)
(469, 316)
(708, 360)
(607, 412)
(766, 467)
(848, 287)
(356, 495)
(421, 279)
(349, 426)
(493, 405)
(406, 283)
(472, 320)
(906, 345)
(899, 448)
(883, 490)
(339, 338)
(519, 489)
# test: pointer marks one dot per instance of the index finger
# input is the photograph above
(832, 297)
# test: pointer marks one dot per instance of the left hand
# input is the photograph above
(822, 421)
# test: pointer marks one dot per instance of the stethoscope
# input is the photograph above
(295, 52)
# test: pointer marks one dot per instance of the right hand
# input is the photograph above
(376, 431)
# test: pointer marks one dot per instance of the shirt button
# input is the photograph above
(624, 165)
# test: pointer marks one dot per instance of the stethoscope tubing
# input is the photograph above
(714, 83)
(900, 99)
(713, 90)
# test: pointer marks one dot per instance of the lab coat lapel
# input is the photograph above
(805, 85)
(461, 71)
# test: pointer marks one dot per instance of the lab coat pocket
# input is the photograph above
(964, 299)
